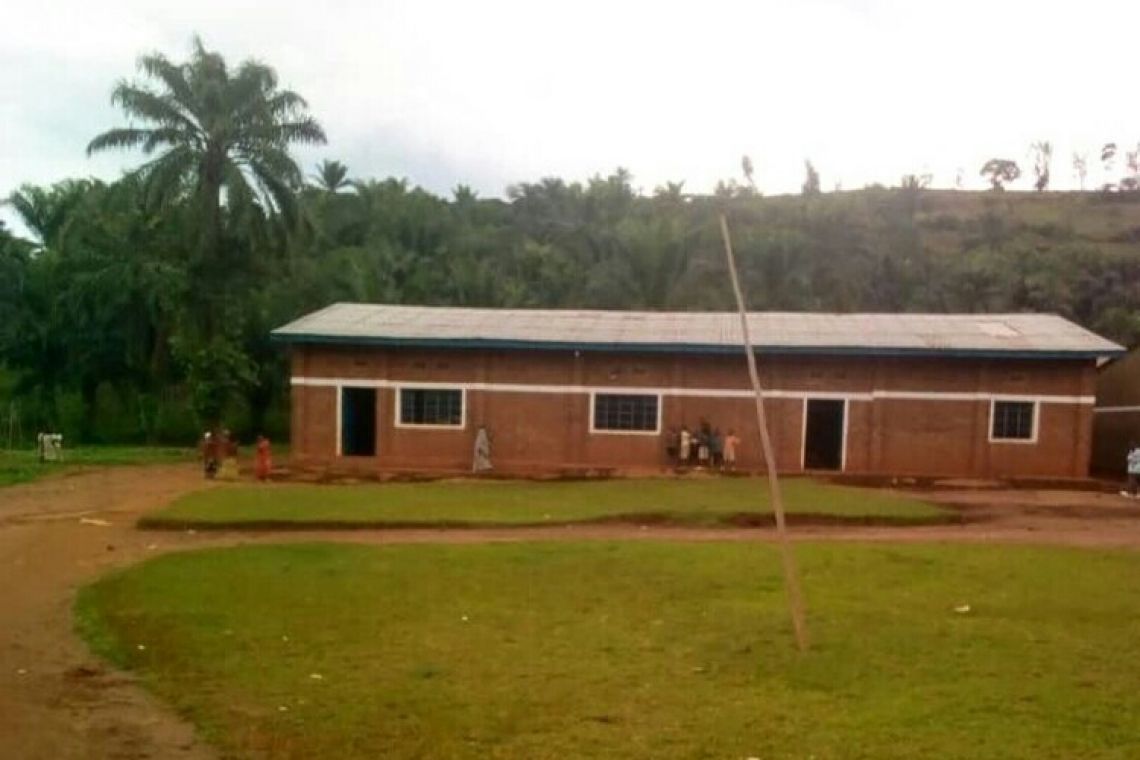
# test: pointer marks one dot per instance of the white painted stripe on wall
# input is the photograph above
(1116, 409)
(336, 382)
(982, 396)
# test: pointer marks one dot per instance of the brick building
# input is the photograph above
(392, 388)
(1116, 418)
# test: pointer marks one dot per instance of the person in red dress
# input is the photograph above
(263, 463)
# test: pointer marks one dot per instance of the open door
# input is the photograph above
(823, 434)
(358, 422)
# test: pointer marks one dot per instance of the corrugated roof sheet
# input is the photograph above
(776, 332)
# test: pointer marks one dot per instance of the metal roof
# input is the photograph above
(999, 335)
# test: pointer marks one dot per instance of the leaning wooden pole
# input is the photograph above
(791, 574)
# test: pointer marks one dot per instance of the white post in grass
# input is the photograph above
(791, 575)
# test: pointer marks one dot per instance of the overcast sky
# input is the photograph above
(489, 93)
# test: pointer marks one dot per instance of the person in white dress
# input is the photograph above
(482, 461)
(1133, 467)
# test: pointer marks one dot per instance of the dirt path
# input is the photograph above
(57, 701)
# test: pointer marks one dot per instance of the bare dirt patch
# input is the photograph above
(58, 701)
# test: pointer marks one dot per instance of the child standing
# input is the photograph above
(482, 458)
(210, 454)
(702, 449)
(1133, 470)
(263, 464)
(731, 441)
(228, 452)
(672, 446)
(686, 444)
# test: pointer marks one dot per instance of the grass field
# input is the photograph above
(21, 465)
(611, 650)
(706, 501)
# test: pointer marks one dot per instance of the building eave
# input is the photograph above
(294, 338)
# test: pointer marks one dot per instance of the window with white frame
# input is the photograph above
(1013, 421)
(626, 412)
(435, 407)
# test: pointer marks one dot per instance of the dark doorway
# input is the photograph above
(823, 435)
(358, 422)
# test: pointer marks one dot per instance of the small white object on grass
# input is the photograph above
(141, 647)
(464, 618)
(282, 708)
(22, 672)
(94, 521)
(962, 609)
(316, 676)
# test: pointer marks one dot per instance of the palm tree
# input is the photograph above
(216, 129)
(14, 264)
(464, 196)
(331, 176)
(671, 192)
(47, 211)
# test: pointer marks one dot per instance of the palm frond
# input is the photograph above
(240, 199)
(166, 136)
(118, 138)
(28, 205)
(277, 160)
(280, 193)
(257, 75)
(331, 175)
(166, 177)
(285, 103)
(238, 190)
(150, 106)
(306, 131)
(204, 61)
(248, 91)
(47, 211)
(158, 66)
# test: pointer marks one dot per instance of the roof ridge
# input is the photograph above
(880, 333)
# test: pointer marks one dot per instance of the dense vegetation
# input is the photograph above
(141, 308)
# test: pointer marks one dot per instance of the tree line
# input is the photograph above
(1001, 172)
(140, 309)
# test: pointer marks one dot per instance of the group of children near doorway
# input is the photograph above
(704, 447)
